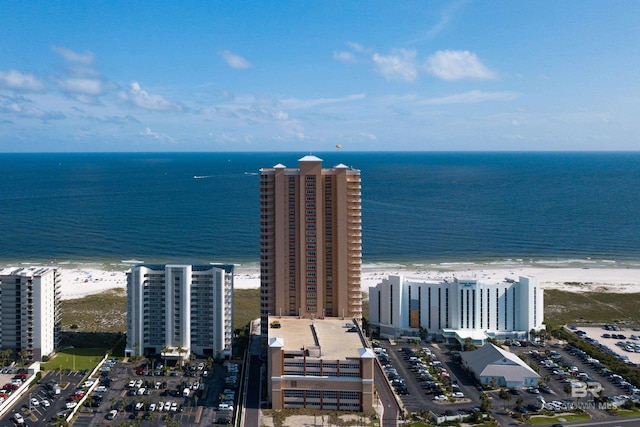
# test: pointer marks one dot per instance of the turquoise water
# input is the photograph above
(417, 207)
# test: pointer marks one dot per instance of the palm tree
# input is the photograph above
(5, 355)
(23, 354)
(163, 353)
(60, 421)
(507, 398)
(181, 350)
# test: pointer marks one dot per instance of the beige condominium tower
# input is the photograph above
(310, 241)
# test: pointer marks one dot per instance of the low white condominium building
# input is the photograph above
(457, 309)
(177, 310)
(29, 310)
(492, 364)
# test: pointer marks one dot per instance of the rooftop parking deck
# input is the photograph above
(328, 338)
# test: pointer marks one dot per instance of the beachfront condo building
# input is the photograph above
(310, 241)
(29, 311)
(319, 364)
(457, 309)
(177, 310)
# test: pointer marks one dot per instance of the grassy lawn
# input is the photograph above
(76, 359)
(563, 418)
(629, 412)
(246, 306)
(590, 307)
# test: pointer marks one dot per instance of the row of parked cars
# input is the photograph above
(227, 400)
(610, 375)
(431, 373)
(12, 385)
(602, 347)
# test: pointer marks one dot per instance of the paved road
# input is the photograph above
(253, 384)
(391, 407)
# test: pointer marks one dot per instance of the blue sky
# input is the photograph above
(307, 75)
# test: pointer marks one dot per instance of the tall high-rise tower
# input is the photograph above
(310, 241)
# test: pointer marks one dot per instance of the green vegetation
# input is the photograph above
(100, 320)
(76, 359)
(104, 312)
(561, 418)
(562, 307)
(246, 306)
(629, 412)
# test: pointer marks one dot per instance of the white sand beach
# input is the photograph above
(79, 282)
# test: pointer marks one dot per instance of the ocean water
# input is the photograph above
(419, 208)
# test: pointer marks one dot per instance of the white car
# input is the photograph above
(458, 395)
(101, 389)
(45, 403)
(34, 402)
(18, 417)
(440, 397)
(112, 414)
(71, 405)
(152, 407)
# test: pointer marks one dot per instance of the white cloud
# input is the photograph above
(81, 85)
(82, 58)
(357, 47)
(346, 57)
(446, 17)
(400, 64)
(305, 103)
(471, 97)
(142, 99)
(148, 133)
(23, 107)
(457, 65)
(235, 61)
(16, 80)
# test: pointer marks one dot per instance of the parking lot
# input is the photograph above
(427, 378)
(625, 343)
(42, 403)
(149, 393)
(152, 394)
(576, 379)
